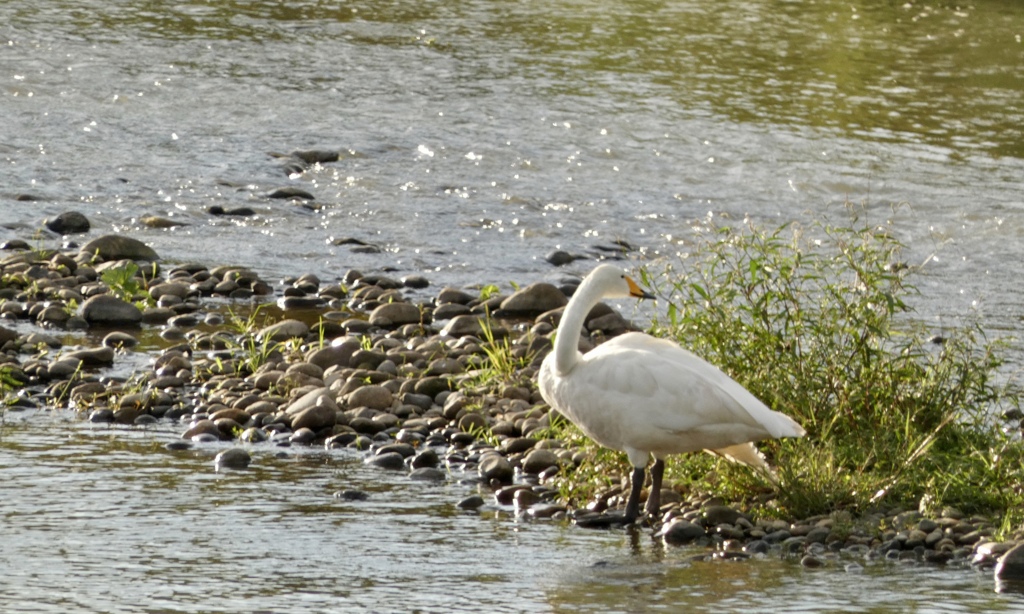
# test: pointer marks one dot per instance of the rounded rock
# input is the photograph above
(395, 314)
(69, 222)
(1010, 567)
(233, 458)
(431, 474)
(118, 339)
(391, 460)
(372, 396)
(495, 467)
(539, 460)
(534, 300)
(679, 532)
(116, 247)
(471, 502)
(106, 309)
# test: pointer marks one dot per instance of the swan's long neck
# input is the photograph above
(567, 341)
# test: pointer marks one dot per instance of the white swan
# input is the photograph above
(647, 396)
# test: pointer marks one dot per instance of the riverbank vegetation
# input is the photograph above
(818, 322)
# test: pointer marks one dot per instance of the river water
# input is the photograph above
(476, 136)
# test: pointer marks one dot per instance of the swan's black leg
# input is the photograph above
(633, 503)
(654, 497)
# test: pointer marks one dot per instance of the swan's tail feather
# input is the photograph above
(748, 454)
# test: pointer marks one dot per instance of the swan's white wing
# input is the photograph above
(640, 393)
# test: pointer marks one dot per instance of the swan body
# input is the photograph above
(650, 397)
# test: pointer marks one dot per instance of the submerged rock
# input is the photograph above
(233, 458)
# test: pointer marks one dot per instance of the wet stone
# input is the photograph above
(390, 460)
(496, 467)
(101, 415)
(538, 461)
(679, 532)
(233, 458)
(426, 458)
(116, 247)
(1010, 567)
(109, 310)
(302, 436)
(352, 495)
(119, 339)
(404, 449)
(811, 562)
(471, 502)
(431, 474)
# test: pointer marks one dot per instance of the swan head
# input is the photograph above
(615, 283)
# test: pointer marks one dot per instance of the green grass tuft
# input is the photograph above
(816, 323)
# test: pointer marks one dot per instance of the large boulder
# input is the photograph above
(533, 300)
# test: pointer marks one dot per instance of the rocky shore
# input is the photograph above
(432, 382)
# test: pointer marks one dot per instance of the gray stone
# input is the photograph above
(108, 310)
(283, 331)
(404, 449)
(6, 335)
(170, 288)
(335, 355)
(390, 460)
(432, 474)
(372, 396)
(415, 281)
(448, 311)
(818, 535)
(116, 247)
(290, 192)
(454, 295)
(495, 467)
(302, 436)
(119, 339)
(233, 458)
(719, 514)
(426, 458)
(471, 502)
(395, 314)
(461, 326)
(811, 562)
(203, 427)
(539, 460)
(69, 222)
(318, 417)
(444, 366)
(1010, 567)
(92, 357)
(679, 532)
(352, 495)
(534, 300)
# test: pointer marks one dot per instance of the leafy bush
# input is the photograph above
(815, 322)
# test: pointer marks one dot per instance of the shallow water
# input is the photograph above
(477, 136)
(102, 519)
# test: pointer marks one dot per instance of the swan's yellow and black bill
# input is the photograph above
(636, 291)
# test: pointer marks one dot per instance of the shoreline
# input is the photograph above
(360, 366)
